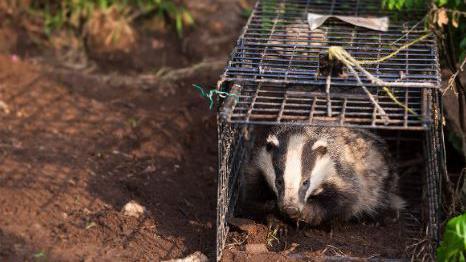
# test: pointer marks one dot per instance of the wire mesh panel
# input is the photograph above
(436, 166)
(277, 44)
(232, 150)
(280, 62)
(272, 103)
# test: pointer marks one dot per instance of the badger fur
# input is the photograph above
(318, 174)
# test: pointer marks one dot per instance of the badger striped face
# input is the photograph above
(295, 168)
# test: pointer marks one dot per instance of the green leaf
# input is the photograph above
(179, 24)
(410, 4)
(453, 245)
(442, 2)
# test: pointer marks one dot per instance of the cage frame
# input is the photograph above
(232, 154)
(232, 126)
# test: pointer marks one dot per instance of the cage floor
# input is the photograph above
(351, 240)
(370, 239)
(299, 105)
(277, 44)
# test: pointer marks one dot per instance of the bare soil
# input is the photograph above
(76, 146)
(357, 240)
(73, 154)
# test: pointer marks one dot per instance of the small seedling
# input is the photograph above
(272, 237)
(133, 122)
(39, 255)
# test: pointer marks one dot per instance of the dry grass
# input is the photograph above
(110, 30)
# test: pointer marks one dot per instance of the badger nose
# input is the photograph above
(292, 211)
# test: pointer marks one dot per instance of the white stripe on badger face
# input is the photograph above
(273, 140)
(323, 168)
(293, 171)
(264, 162)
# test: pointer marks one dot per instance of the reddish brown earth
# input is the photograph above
(73, 154)
(354, 240)
(75, 147)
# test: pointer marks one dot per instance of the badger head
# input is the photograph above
(295, 167)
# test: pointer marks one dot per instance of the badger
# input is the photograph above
(318, 174)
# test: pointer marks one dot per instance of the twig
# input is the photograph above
(382, 112)
(410, 30)
(451, 81)
(327, 91)
(290, 249)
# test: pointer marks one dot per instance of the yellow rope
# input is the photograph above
(341, 54)
(369, 62)
(393, 97)
(338, 52)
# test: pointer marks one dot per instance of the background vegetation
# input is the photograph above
(76, 13)
(447, 19)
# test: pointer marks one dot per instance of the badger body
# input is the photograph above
(318, 174)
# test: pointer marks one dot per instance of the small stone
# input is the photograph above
(256, 248)
(149, 169)
(133, 209)
(4, 107)
(195, 257)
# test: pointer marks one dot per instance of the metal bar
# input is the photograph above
(282, 108)
(251, 107)
(406, 112)
(343, 112)
(311, 113)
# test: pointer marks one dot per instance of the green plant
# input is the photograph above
(75, 13)
(447, 17)
(453, 245)
(400, 4)
(272, 237)
(40, 256)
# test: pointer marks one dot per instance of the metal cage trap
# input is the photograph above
(280, 73)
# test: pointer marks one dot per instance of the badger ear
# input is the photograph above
(271, 143)
(320, 147)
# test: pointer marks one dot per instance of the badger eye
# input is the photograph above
(279, 183)
(306, 182)
(269, 147)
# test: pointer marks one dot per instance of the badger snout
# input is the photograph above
(291, 210)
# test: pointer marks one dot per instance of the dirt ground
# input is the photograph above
(76, 146)
(80, 139)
